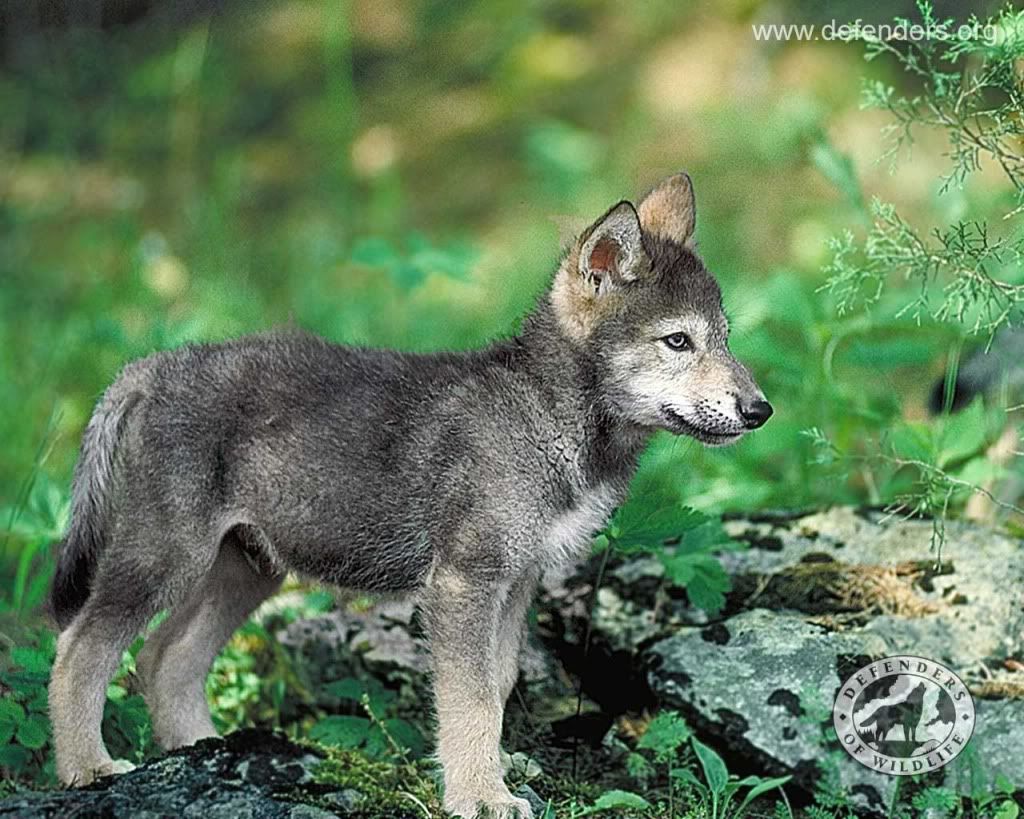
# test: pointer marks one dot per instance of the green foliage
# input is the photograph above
(24, 727)
(684, 541)
(36, 519)
(664, 736)
(990, 794)
(700, 780)
(717, 788)
(964, 276)
(926, 469)
(389, 788)
(970, 90)
(377, 736)
(127, 729)
(618, 801)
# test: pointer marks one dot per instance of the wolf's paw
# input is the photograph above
(86, 775)
(117, 766)
(509, 807)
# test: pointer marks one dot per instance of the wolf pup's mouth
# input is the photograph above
(680, 426)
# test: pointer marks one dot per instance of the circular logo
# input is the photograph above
(903, 715)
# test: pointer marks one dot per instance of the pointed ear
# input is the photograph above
(612, 251)
(669, 211)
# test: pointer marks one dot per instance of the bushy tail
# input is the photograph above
(86, 534)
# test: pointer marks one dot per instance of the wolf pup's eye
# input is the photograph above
(678, 341)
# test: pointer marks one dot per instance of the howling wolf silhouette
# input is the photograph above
(906, 714)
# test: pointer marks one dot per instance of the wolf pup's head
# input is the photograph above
(634, 292)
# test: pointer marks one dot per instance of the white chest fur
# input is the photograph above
(569, 535)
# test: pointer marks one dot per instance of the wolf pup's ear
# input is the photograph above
(612, 250)
(669, 211)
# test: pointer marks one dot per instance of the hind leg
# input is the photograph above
(175, 659)
(88, 653)
(512, 635)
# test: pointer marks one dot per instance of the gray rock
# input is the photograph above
(249, 774)
(814, 597)
(977, 599)
(382, 637)
(748, 684)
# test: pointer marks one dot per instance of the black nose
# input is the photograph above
(755, 414)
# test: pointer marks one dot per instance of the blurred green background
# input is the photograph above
(397, 173)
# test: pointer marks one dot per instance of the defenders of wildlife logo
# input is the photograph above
(903, 715)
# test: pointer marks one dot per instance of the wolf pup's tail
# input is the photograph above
(86, 534)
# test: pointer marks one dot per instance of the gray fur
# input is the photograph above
(455, 476)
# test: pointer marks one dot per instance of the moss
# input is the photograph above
(389, 790)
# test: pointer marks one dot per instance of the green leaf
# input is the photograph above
(39, 703)
(980, 470)
(637, 766)
(1007, 810)
(679, 568)
(1004, 785)
(715, 772)
(964, 434)
(621, 799)
(343, 731)
(346, 689)
(11, 713)
(406, 735)
(14, 757)
(705, 537)
(687, 776)
(645, 525)
(33, 732)
(709, 585)
(31, 659)
(911, 441)
(762, 787)
(664, 734)
(380, 697)
(705, 580)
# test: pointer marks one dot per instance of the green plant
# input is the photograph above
(616, 800)
(989, 793)
(971, 90)
(127, 729)
(386, 788)
(377, 736)
(253, 680)
(665, 739)
(964, 276)
(683, 540)
(24, 727)
(718, 788)
(34, 522)
(665, 735)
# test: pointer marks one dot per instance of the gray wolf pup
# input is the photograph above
(208, 472)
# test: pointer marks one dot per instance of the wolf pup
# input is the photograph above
(208, 472)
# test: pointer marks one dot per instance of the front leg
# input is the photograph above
(462, 615)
